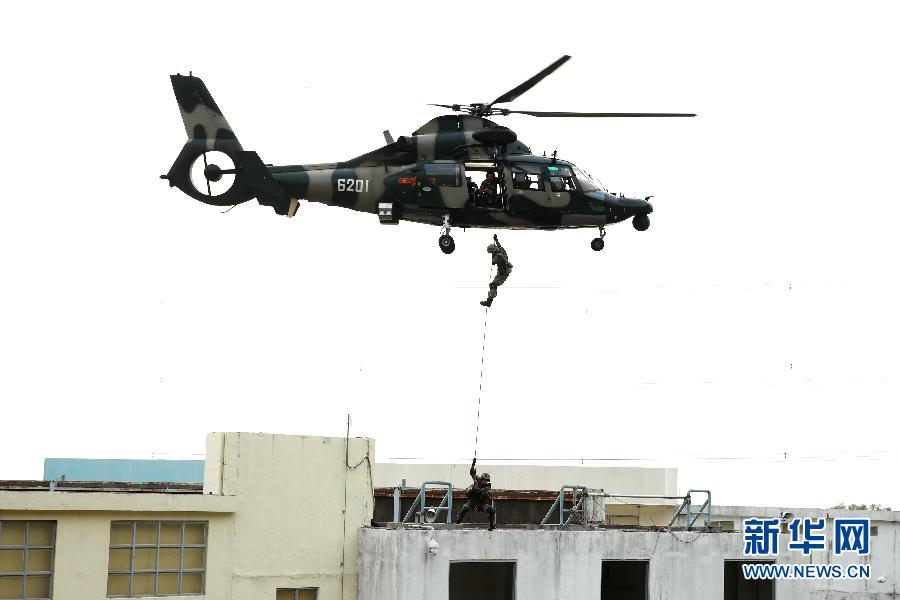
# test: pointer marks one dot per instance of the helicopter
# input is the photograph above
(428, 177)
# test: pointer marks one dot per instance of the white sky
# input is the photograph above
(756, 317)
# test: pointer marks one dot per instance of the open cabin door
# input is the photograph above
(439, 184)
(482, 195)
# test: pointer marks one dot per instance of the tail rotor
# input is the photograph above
(212, 167)
(213, 172)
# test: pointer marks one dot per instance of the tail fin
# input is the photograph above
(209, 132)
(201, 115)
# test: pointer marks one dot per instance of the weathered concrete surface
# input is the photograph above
(567, 565)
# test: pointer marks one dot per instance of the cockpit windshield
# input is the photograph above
(588, 183)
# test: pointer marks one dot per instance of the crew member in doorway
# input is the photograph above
(488, 190)
(479, 498)
(504, 268)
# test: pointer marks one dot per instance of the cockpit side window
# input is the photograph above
(446, 174)
(561, 179)
(527, 177)
(587, 183)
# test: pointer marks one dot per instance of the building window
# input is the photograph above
(737, 588)
(26, 559)
(297, 594)
(156, 558)
(483, 580)
(626, 579)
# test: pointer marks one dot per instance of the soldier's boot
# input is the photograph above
(492, 518)
(461, 514)
(492, 293)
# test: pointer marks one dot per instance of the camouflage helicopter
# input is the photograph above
(428, 177)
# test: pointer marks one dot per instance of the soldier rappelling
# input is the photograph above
(504, 268)
(479, 498)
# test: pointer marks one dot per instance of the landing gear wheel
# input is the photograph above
(597, 244)
(447, 244)
(640, 222)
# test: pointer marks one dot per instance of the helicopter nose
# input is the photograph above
(629, 205)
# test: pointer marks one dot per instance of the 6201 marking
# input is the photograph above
(352, 185)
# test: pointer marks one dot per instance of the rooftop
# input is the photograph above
(26, 485)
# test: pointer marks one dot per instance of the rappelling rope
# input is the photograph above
(481, 375)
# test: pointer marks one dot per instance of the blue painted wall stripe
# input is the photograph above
(124, 470)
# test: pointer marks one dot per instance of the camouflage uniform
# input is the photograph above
(478, 496)
(504, 268)
(488, 190)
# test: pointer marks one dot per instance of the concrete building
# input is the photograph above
(306, 518)
(576, 563)
(274, 513)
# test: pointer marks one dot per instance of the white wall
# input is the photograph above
(291, 529)
(566, 565)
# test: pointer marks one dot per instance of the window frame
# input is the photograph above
(158, 545)
(297, 591)
(528, 169)
(551, 175)
(438, 166)
(24, 573)
(586, 183)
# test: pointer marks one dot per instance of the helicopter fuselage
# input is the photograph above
(532, 192)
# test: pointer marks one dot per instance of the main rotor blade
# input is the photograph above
(524, 87)
(538, 113)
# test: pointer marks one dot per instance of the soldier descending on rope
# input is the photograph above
(479, 498)
(504, 268)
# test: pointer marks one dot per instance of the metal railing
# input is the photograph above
(690, 515)
(420, 503)
(577, 508)
(586, 506)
